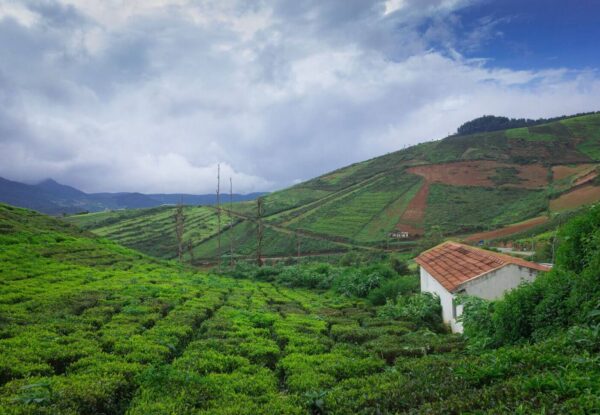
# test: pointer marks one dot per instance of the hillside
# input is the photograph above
(54, 198)
(152, 231)
(461, 185)
(87, 326)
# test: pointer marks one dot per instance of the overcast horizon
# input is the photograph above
(149, 96)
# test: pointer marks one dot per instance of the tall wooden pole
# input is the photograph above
(230, 222)
(259, 231)
(219, 217)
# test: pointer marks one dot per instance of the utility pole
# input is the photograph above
(179, 229)
(191, 250)
(298, 246)
(219, 217)
(230, 222)
(259, 231)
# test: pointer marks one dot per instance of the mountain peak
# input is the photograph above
(58, 189)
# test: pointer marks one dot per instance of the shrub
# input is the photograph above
(477, 321)
(391, 289)
(423, 309)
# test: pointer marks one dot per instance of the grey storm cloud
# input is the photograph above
(150, 96)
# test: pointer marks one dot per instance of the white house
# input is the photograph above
(452, 268)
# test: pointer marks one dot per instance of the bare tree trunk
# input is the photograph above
(179, 229)
(230, 222)
(190, 246)
(219, 217)
(259, 231)
(298, 245)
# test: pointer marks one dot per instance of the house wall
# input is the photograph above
(494, 284)
(490, 287)
(431, 285)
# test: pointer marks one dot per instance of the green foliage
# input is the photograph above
(424, 310)
(391, 289)
(564, 297)
(461, 209)
(506, 175)
(89, 327)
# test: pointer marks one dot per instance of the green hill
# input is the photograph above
(90, 327)
(460, 185)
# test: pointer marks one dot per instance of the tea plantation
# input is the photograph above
(90, 327)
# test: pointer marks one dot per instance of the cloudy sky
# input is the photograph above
(149, 95)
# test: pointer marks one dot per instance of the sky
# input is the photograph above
(150, 95)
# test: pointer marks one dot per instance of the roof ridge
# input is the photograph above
(453, 263)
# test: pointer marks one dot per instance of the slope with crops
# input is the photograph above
(461, 185)
(90, 327)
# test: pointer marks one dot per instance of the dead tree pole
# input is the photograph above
(179, 229)
(298, 245)
(230, 222)
(259, 231)
(219, 217)
(190, 246)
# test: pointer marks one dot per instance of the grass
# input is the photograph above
(588, 129)
(463, 209)
(347, 216)
(379, 227)
(529, 134)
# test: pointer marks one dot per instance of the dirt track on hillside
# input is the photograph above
(507, 230)
(583, 195)
(412, 219)
(562, 172)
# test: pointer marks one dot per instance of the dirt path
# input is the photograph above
(582, 195)
(507, 230)
(411, 220)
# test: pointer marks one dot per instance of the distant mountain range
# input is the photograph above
(54, 198)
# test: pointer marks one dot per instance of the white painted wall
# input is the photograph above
(490, 287)
(493, 285)
(431, 285)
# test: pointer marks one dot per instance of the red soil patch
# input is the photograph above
(478, 173)
(562, 172)
(586, 178)
(415, 212)
(583, 195)
(507, 230)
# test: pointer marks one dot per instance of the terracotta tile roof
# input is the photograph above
(452, 263)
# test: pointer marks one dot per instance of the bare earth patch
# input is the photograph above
(583, 195)
(507, 230)
(562, 172)
(415, 212)
(478, 173)
(588, 177)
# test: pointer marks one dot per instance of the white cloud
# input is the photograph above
(19, 12)
(150, 96)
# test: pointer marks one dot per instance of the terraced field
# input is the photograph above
(152, 230)
(461, 184)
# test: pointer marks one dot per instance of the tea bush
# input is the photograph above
(89, 327)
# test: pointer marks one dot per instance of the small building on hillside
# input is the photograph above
(396, 234)
(452, 268)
